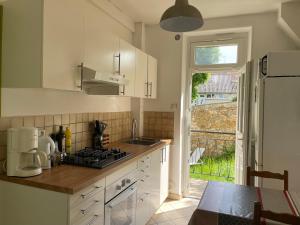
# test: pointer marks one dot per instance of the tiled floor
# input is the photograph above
(179, 212)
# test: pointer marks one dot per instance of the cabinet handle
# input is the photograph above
(118, 56)
(81, 76)
(83, 196)
(85, 211)
(165, 157)
(147, 89)
(150, 84)
(92, 221)
(123, 92)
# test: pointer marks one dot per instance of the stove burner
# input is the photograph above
(96, 158)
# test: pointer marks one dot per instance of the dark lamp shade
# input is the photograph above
(181, 18)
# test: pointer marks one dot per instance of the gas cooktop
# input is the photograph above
(96, 158)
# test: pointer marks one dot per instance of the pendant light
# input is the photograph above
(181, 17)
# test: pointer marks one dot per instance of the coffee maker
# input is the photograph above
(23, 159)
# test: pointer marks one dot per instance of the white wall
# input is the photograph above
(289, 19)
(163, 46)
(21, 102)
(267, 36)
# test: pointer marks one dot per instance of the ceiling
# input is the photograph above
(150, 11)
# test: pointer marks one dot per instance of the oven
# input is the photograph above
(121, 197)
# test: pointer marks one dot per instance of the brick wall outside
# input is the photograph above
(214, 117)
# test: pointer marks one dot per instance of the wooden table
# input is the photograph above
(231, 204)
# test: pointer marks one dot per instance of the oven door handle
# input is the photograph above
(122, 196)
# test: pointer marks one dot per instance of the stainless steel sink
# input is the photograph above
(143, 141)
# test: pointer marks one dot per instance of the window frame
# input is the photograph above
(241, 54)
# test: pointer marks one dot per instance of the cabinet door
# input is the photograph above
(152, 77)
(141, 88)
(164, 182)
(143, 209)
(155, 180)
(63, 43)
(101, 48)
(127, 67)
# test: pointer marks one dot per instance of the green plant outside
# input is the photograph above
(198, 79)
(217, 168)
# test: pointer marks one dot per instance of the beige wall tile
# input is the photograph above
(65, 119)
(49, 121)
(73, 128)
(57, 120)
(78, 127)
(39, 121)
(72, 118)
(85, 117)
(17, 122)
(79, 118)
(91, 117)
(78, 137)
(5, 123)
(85, 127)
(49, 130)
(78, 146)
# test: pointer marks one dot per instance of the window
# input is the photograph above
(216, 55)
(209, 54)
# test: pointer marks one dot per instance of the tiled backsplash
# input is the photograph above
(119, 126)
(159, 124)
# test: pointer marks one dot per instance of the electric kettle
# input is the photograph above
(46, 145)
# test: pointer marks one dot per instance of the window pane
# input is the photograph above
(213, 55)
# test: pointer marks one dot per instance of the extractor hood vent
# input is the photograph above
(97, 83)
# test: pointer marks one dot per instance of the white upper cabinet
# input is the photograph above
(63, 43)
(44, 43)
(141, 74)
(127, 67)
(152, 77)
(101, 48)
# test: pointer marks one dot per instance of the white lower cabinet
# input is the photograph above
(27, 205)
(87, 206)
(152, 184)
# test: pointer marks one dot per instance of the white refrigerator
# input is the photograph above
(277, 129)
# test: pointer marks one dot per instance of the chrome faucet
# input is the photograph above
(134, 128)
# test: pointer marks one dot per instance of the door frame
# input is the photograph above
(186, 137)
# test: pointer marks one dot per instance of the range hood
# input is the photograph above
(97, 83)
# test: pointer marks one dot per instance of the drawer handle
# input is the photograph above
(142, 171)
(83, 196)
(85, 211)
(92, 221)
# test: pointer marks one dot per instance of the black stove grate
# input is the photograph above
(96, 158)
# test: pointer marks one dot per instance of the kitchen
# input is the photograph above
(72, 63)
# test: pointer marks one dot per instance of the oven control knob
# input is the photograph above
(119, 187)
(128, 181)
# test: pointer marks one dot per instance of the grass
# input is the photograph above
(215, 169)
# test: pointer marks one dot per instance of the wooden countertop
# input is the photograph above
(71, 179)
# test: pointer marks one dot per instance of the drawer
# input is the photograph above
(143, 171)
(86, 193)
(112, 178)
(145, 161)
(92, 206)
(91, 219)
